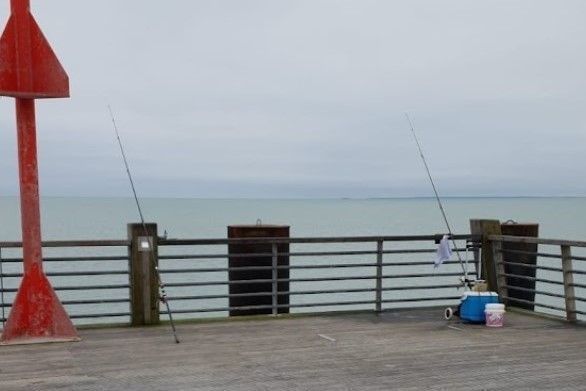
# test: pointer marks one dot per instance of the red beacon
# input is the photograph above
(30, 70)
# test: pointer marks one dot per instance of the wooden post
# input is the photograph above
(568, 283)
(485, 228)
(379, 276)
(496, 247)
(144, 287)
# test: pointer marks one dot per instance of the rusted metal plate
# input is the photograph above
(526, 230)
(257, 231)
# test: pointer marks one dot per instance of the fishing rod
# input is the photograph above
(437, 197)
(162, 292)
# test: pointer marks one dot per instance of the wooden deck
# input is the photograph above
(405, 350)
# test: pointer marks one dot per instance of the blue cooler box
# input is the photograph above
(472, 305)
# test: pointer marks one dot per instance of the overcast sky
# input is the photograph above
(298, 98)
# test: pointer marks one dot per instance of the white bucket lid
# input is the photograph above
(494, 307)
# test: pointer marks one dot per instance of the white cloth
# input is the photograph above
(443, 253)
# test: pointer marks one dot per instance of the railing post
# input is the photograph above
(568, 283)
(143, 261)
(275, 278)
(379, 276)
(487, 228)
(496, 247)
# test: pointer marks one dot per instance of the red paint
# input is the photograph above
(30, 70)
(29, 67)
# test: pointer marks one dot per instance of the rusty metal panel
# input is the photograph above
(520, 229)
(257, 231)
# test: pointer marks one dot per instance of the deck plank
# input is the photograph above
(402, 350)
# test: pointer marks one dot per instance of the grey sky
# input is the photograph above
(307, 98)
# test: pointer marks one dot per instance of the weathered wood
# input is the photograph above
(486, 228)
(501, 276)
(568, 283)
(400, 350)
(144, 286)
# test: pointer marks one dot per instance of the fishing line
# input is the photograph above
(162, 292)
(437, 197)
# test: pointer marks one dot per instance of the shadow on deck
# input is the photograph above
(407, 349)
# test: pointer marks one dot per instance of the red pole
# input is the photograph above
(30, 70)
(29, 185)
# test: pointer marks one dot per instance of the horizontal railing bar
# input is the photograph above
(104, 315)
(262, 294)
(82, 302)
(522, 252)
(417, 287)
(311, 292)
(91, 287)
(340, 278)
(269, 306)
(281, 267)
(522, 239)
(576, 285)
(530, 266)
(580, 272)
(578, 258)
(300, 267)
(522, 289)
(306, 305)
(80, 288)
(532, 278)
(552, 307)
(293, 254)
(73, 274)
(421, 299)
(95, 301)
(341, 239)
(73, 243)
(69, 259)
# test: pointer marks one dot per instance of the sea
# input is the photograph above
(71, 218)
(106, 218)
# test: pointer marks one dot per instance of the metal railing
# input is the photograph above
(89, 276)
(383, 271)
(92, 278)
(555, 278)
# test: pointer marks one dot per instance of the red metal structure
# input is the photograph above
(30, 70)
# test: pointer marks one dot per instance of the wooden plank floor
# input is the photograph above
(404, 350)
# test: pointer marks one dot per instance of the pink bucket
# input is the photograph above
(495, 315)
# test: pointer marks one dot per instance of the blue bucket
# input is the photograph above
(472, 305)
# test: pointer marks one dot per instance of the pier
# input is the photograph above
(364, 313)
(403, 349)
